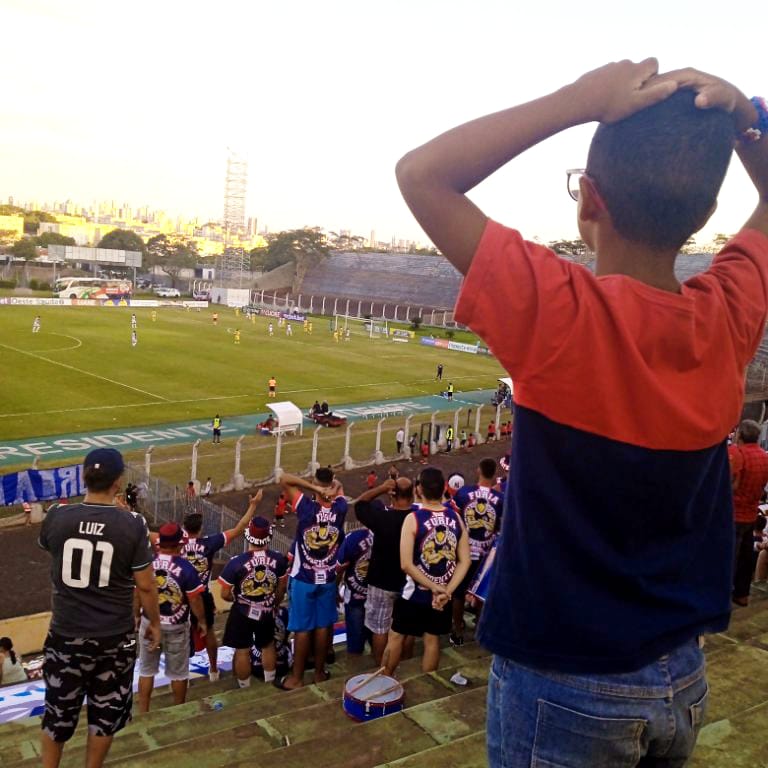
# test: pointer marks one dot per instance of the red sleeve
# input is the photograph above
(740, 271)
(519, 297)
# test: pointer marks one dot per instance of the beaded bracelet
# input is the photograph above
(756, 132)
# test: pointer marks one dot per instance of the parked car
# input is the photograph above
(201, 295)
(167, 293)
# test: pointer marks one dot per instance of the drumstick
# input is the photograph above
(385, 692)
(367, 680)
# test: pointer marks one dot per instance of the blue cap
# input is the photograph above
(107, 460)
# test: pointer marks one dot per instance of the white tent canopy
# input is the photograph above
(506, 380)
(289, 418)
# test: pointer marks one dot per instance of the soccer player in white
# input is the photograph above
(134, 338)
(288, 330)
(36, 324)
(133, 322)
(271, 330)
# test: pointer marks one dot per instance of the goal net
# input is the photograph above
(374, 328)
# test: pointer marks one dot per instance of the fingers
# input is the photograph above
(658, 91)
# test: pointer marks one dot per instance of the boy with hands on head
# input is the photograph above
(627, 383)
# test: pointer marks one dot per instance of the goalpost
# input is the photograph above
(373, 328)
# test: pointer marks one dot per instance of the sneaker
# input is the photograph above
(213, 676)
(455, 640)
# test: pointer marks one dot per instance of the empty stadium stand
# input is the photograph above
(427, 281)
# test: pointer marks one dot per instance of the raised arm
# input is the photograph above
(253, 502)
(388, 486)
(435, 177)
(293, 485)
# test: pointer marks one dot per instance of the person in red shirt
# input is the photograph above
(491, 431)
(371, 480)
(749, 475)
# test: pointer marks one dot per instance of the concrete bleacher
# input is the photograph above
(427, 281)
(442, 725)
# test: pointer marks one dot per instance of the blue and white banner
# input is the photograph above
(41, 485)
(27, 699)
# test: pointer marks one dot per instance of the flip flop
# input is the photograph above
(281, 684)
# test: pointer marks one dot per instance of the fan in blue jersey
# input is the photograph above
(200, 551)
(353, 560)
(434, 552)
(178, 590)
(480, 506)
(312, 588)
(255, 583)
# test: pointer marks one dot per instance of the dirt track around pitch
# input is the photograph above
(25, 567)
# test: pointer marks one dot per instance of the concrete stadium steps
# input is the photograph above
(734, 735)
(262, 719)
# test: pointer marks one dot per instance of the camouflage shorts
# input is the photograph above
(100, 668)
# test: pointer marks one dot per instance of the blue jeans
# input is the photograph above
(648, 718)
(354, 616)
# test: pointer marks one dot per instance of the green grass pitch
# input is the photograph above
(80, 372)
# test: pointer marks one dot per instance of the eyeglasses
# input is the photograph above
(574, 177)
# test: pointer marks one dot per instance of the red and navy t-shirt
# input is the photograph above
(319, 534)
(355, 555)
(176, 581)
(253, 577)
(435, 550)
(480, 509)
(200, 551)
(616, 541)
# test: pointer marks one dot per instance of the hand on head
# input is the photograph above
(621, 88)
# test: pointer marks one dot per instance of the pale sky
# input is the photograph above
(138, 101)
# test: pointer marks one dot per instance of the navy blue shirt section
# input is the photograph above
(637, 545)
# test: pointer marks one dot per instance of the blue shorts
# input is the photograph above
(310, 606)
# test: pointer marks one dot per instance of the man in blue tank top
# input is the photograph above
(434, 554)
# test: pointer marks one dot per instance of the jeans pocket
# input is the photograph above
(698, 711)
(566, 738)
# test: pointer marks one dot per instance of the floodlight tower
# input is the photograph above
(234, 259)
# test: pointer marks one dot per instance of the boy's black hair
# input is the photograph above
(432, 482)
(760, 523)
(659, 171)
(324, 475)
(99, 479)
(488, 468)
(193, 522)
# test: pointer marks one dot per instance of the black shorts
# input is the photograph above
(216, 432)
(242, 632)
(410, 618)
(100, 668)
(466, 583)
(210, 610)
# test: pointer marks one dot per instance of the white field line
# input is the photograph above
(63, 349)
(86, 373)
(126, 405)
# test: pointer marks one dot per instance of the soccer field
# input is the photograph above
(80, 372)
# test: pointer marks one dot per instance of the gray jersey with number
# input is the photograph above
(95, 549)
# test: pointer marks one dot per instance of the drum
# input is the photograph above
(482, 582)
(367, 697)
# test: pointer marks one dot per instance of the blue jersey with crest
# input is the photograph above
(435, 550)
(481, 510)
(355, 555)
(253, 577)
(176, 580)
(319, 534)
(200, 551)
